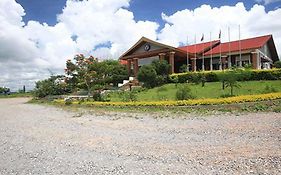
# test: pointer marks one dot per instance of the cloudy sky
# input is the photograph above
(37, 37)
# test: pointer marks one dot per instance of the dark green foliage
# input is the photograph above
(243, 75)
(97, 96)
(4, 90)
(183, 68)
(184, 93)
(155, 74)
(51, 86)
(147, 75)
(277, 64)
(161, 67)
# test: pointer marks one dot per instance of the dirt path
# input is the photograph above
(37, 139)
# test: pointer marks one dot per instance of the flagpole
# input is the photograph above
(187, 61)
(240, 55)
(220, 52)
(229, 53)
(203, 60)
(195, 53)
(211, 59)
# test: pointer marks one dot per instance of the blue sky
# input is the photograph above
(46, 10)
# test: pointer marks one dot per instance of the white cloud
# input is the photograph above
(205, 19)
(107, 29)
(29, 51)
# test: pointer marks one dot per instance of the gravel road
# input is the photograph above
(38, 139)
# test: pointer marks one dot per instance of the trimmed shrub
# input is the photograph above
(242, 75)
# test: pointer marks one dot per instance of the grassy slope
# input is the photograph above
(211, 90)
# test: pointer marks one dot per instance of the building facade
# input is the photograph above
(259, 52)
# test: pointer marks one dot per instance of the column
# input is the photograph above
(220, 63)
(193, 64)
(136, 66)
(229, 62)
(255, 60)
(129, 62)
(203, 63)
(172, 62)
(223, 60)
(162, 56)
(211, 63)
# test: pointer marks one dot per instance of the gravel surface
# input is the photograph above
(38, 139)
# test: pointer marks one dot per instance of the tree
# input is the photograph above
(111, 71)
(54, 85)
(89, 74)
(277, 64)
(230, 79)
(147, 75)
(4, 90)
(81, 73)
(161, 67)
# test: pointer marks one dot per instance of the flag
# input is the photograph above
(220, 35)
(202, 39)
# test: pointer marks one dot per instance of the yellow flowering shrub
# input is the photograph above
(193, 102)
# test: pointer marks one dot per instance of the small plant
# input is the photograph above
(260, 107)
(277, 109)
(127, 96)
(230, 79)
(68, 102)
(184, 93)
(97, 96)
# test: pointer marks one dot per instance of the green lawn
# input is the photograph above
(15, 95)
(210, 90)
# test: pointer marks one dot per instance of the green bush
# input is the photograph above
(50, 86)
(242, 75)
(147, 75)
(161, 67)
(184, 93)
(277, 64)
(97, 96)
(127, 96)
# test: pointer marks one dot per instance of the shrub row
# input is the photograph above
(210, 101)
(213, 76)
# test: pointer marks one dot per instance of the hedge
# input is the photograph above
(213, 76)
(194, 102)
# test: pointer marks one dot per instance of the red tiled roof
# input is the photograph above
(198, 48)
(123, 62)
(246, 44)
